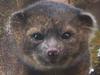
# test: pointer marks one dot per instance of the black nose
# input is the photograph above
(52, 54)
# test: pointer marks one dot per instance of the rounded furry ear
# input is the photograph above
(18, 17)
(18, 20)
(87, 19)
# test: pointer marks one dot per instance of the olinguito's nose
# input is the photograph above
(52, 54)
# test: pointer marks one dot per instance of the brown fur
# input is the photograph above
(22, 55)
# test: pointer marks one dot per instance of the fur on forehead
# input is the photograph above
(50, 8)
(56, 9)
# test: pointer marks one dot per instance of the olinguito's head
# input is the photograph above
(51, 35)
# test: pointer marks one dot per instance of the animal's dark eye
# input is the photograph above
(66, 35)
(37, 36)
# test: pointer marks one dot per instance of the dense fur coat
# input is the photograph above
(47, 38)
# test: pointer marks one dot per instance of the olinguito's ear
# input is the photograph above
(18, 18)
(88, 19)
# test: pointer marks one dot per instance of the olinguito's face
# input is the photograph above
(51, 40)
